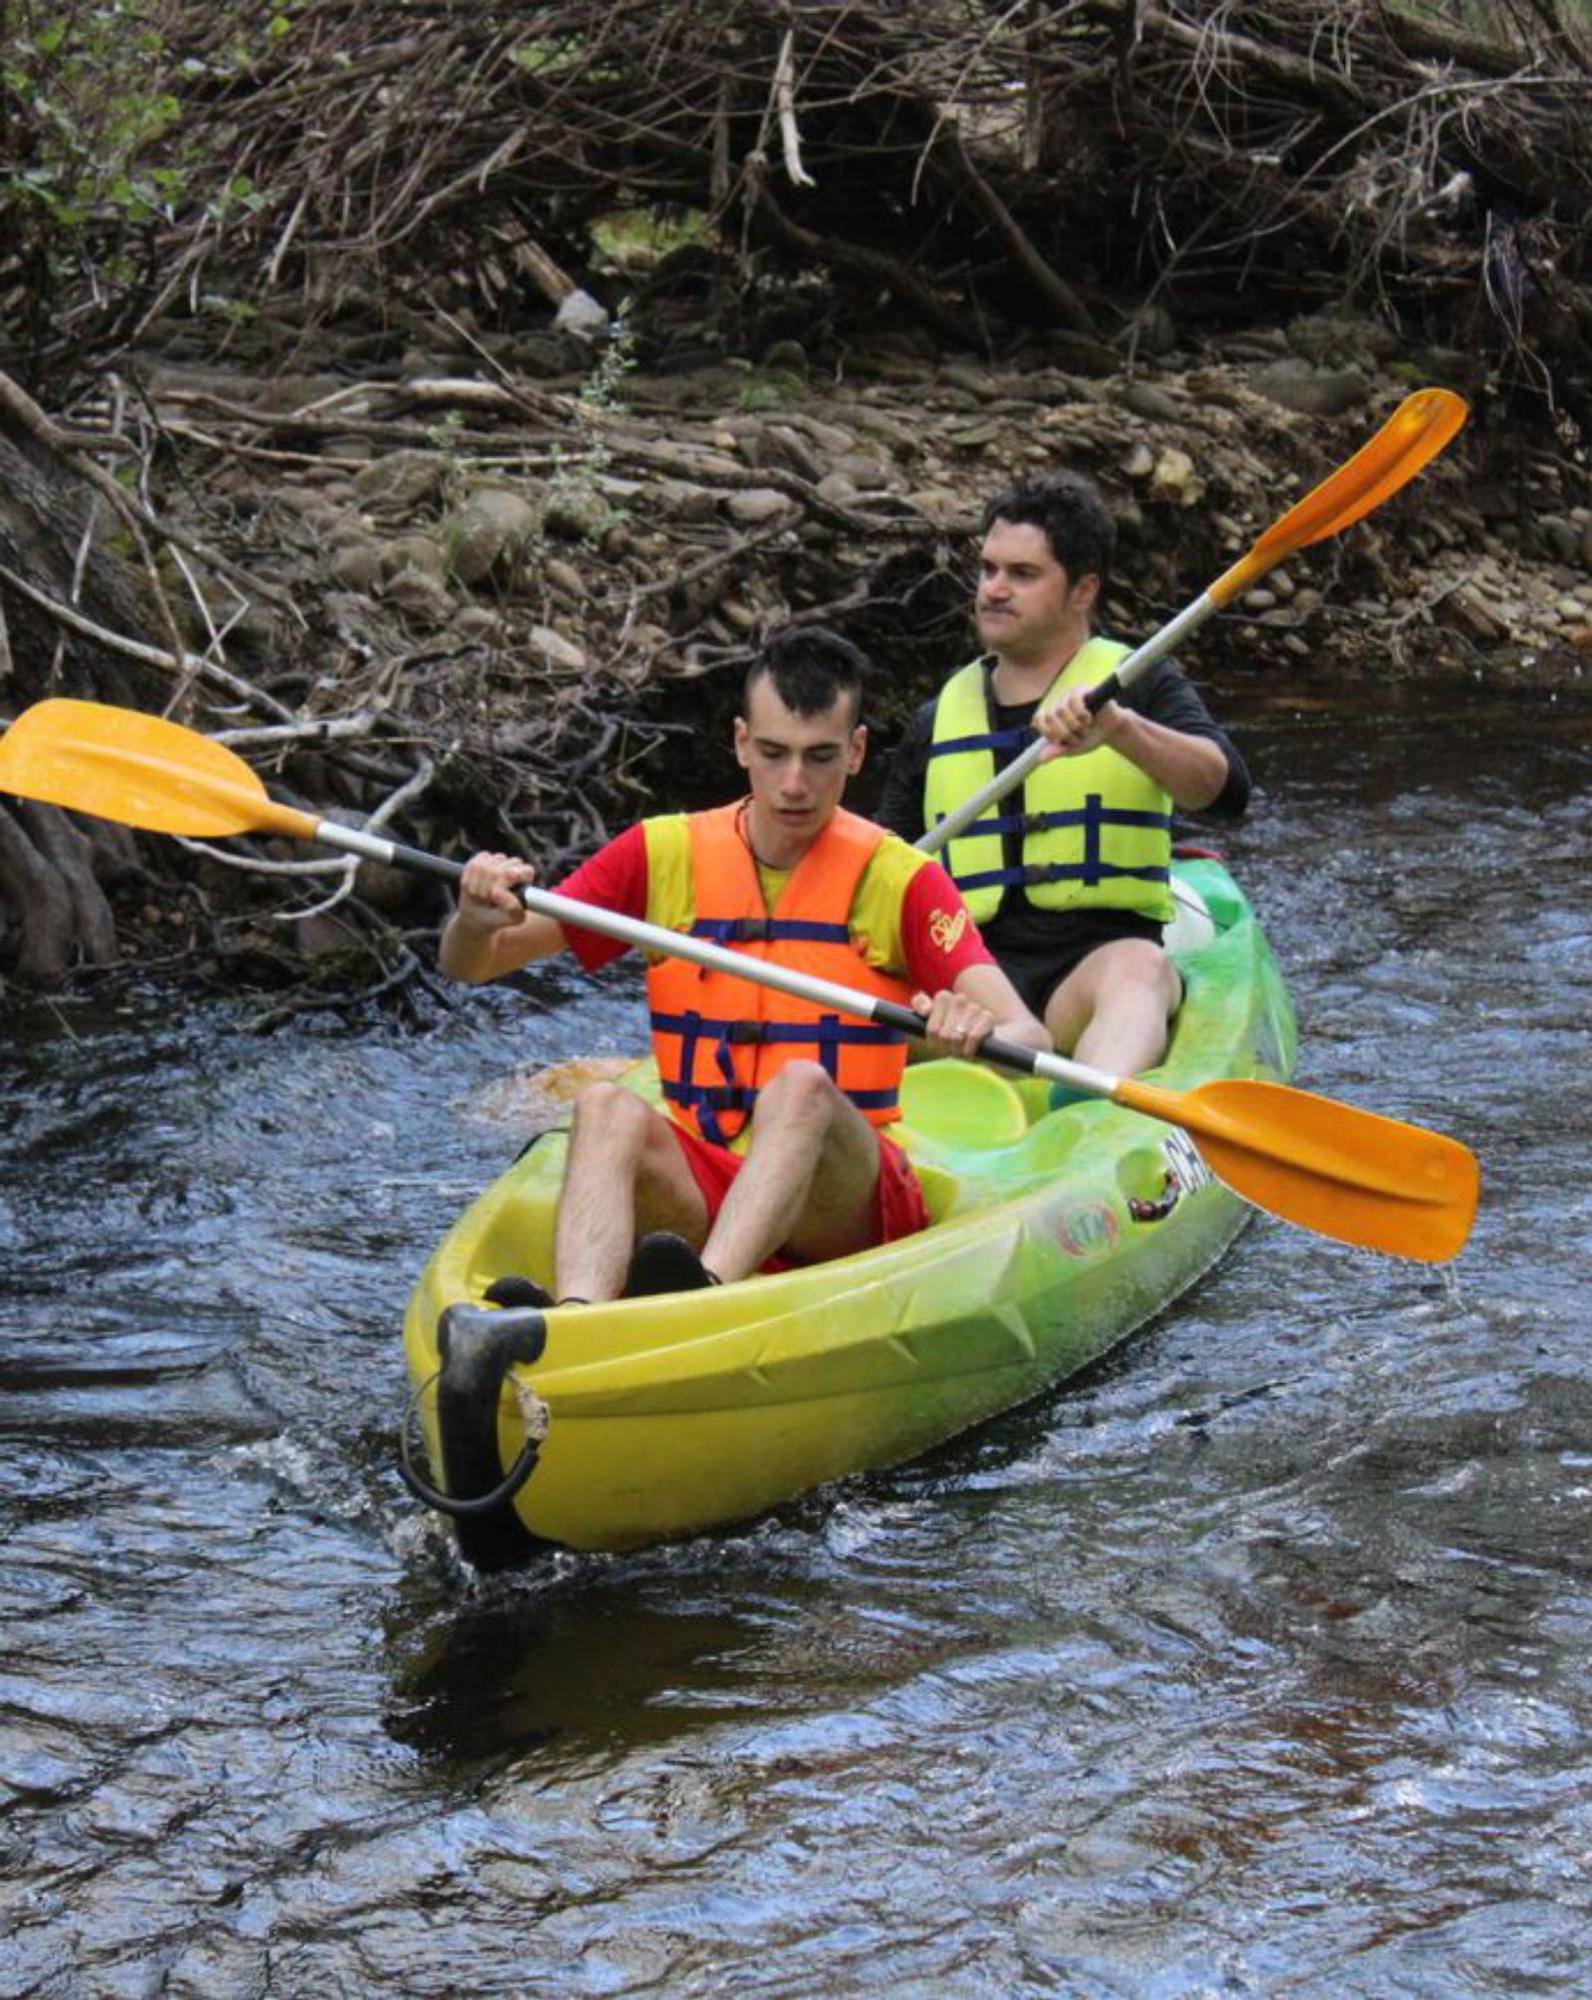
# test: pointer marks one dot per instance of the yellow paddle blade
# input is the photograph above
(121, 764)
(1410, 439)
(1346, 1173)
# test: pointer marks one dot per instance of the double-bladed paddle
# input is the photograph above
(1410, 439)
(1346, 1173)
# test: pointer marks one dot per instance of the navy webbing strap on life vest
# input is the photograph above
(825, 1034)
(1092, 816)
(765, 930)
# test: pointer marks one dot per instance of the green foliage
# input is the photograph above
(91, 157)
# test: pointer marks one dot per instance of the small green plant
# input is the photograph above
(575, 490)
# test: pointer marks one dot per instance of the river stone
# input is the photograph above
(357, 565)
(757, 506)
(564, 578)
(422, 553)
(837, 489)
(1338, 339)
(1151, 330)
(1478, 616)
(490, 530)
(789, 355)
(575, 512)
(1557, 538)
(421, 599)
(945, 508)
(866, 474)
(778, 444)
(401, 481)
(1146, 400)
(880, 424)
(1313, 392)
(477, 621)
(1176, 479)
(553, 648)
(680, 500)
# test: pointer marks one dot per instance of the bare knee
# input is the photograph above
(1143, 967)
(612, 1118)
(802, 1092)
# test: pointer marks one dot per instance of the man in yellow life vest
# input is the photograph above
(773, 1145)
(1070, 879)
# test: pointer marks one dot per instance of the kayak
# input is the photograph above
(1058, 1229)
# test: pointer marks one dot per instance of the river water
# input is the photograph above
(1255, 1662)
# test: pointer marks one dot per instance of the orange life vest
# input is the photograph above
(719, 1039)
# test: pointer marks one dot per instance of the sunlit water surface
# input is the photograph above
(1256, 1662)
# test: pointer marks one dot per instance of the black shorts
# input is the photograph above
(1037, 966)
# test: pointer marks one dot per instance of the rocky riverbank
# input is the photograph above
(496, 588)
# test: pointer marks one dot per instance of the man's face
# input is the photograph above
(797, 766)
(1027, 608)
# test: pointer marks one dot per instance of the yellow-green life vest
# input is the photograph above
(1096, 831)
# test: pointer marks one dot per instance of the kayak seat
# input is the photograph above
(958, 1107)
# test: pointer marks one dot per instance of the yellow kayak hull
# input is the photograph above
(1058, 1232)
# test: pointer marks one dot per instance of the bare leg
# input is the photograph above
(1112, 1009)
(625, 1172)
(809, 1179)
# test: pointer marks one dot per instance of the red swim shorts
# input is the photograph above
(899, 1207)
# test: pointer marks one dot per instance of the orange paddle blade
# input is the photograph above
(1346, 1173)
(1410, 439)
(121, 764)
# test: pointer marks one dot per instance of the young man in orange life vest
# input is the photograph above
(1070, 878)
(775, 1143)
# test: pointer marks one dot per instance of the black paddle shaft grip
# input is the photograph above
(1008, 1055)
(1097, 697)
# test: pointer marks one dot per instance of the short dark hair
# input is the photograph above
(1072, 515)
(811, 668)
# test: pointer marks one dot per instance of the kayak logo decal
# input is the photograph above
(946, 930)
(1088, 1232)
(1185, 1171)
